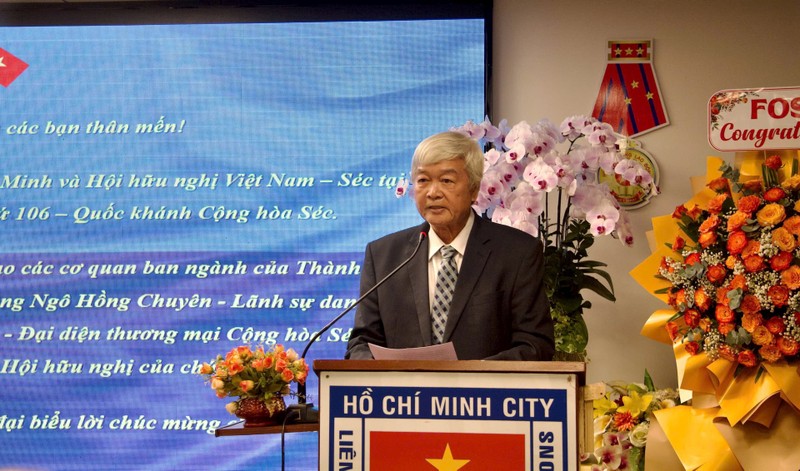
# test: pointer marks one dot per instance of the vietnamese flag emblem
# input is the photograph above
(10, 67)
(446, 451)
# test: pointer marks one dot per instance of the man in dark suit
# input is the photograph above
(499, 309)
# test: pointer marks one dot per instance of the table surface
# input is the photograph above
(239, 429)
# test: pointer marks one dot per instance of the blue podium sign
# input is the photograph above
(446, 420)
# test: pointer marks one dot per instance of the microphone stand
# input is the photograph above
(305, 412)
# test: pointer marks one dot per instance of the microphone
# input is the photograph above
(305, 411)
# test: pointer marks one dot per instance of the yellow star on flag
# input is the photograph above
(447, 463)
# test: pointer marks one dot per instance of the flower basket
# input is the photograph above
(725, 263)
(257, 412)
(258, 378)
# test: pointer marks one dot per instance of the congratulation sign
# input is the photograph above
(754, 119)
(448, 421)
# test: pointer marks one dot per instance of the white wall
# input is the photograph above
(549, 57)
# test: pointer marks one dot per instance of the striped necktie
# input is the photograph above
(443, 294)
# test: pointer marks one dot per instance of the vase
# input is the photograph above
(258, 412)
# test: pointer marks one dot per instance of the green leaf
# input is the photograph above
(635, 461)
(648, 381)
(569, 304)
(595, 285)
(751, 227)
(734, 298)
(603, 274)
(591, 264)
(759, 372)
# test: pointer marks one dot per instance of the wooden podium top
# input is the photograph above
(486, 366)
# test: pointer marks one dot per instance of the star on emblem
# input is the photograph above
(634, 84)
(1, 62)
(447, 463)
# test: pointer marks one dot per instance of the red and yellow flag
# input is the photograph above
(629, 98)
(402, 451)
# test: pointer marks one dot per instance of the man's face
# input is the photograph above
(443, 196)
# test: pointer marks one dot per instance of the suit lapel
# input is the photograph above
(475, 259)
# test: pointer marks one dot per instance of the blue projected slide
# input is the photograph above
(168, 192)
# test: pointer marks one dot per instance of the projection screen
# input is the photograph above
(177, 182)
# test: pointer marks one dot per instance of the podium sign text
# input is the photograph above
(401, 420)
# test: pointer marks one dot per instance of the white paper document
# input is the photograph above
(444, 351)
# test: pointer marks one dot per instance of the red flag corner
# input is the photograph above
(11, 67)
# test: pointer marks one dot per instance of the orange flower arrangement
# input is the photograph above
(735, 285)
(245, 372)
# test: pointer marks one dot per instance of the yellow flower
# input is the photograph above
(635, 404)
(770, 215)
(783, 239)
(603, 406)
(792, 183)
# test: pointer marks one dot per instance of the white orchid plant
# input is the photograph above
(545, 180)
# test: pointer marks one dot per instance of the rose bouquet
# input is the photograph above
(544, 180)
(622, 421)
(255, 373)
(735, 283)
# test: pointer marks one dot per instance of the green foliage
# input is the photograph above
(648, 381)
(732, 175)
(567, 273)
(690, 227)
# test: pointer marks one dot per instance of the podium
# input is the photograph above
(384, 415)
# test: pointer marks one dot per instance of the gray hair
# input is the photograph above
(451, 145)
